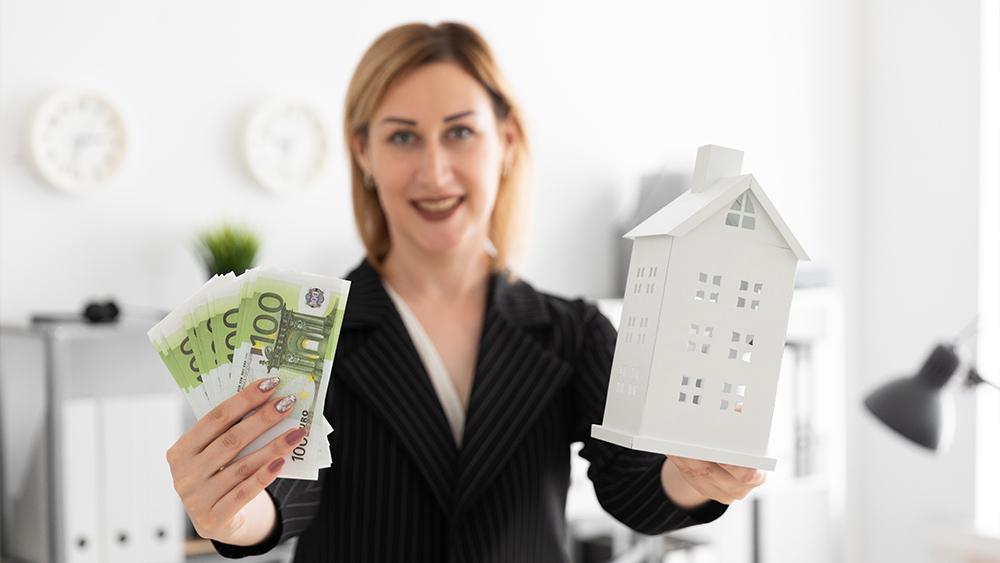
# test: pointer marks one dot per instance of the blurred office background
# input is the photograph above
(871, 124)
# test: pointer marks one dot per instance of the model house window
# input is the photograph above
(708, 287)
(645, 280)
(741, 346)
(749, 295)
(741, 212)
(626, 382)
(698, 335)
(691, 389)
(733, 397)
(634, 329)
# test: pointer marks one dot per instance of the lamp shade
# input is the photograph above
(916, 407)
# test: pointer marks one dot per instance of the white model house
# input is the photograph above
(703, 324)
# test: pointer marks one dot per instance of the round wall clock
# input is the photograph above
(285, 146)
(77, 140)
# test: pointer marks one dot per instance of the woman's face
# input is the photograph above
(435, 150)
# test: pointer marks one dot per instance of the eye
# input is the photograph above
(401, 138)
(459, 132)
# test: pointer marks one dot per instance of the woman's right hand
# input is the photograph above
(214, 493)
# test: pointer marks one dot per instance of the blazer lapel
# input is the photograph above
(515, 379)
(386, 371)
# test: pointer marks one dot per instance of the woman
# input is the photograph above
(457, 389)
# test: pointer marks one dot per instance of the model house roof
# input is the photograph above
(717, 184)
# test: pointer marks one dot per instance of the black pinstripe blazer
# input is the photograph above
(400, 490)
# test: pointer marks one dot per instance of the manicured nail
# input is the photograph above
(285, 403)
(296, 437)
(276, 465)
(268, 384)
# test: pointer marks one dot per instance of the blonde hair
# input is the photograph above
(403, 49)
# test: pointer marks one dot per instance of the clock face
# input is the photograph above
(285, 145)
(77, 140)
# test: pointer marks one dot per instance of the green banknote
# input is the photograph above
(171, 341)
(289, 323)
(289, 326)
(224, 311)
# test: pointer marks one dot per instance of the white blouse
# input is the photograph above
(443, 385)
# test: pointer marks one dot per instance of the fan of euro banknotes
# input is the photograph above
(264, 323)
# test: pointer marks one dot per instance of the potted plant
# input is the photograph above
(228, 248)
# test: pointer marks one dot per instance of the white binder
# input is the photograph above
(120, 448)
(161, 515)
(79, 481)
(143, 517)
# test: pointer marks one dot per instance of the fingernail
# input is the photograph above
(276, 465)
(285, 403)
(296, 437)
(268, 384)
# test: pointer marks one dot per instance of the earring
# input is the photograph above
(506, 170)
(369, 181)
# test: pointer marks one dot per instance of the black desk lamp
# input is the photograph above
(915, 406)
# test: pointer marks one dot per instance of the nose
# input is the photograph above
(435, 165)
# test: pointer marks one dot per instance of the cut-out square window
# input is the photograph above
(704, 348)
(758, 287)
(744, 285)
(697, 383)
(692, 346)
(741, 342)
(754, 305)
(641, 271)
(741, 302)
(682, 397)
(710, 287)
(742, 208)
(654, 271)
(693, 329)
(708, 331)
(695, 397)
(737, 401)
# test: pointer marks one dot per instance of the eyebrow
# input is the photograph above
(413, 123)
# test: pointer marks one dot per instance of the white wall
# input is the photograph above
(609, 95)
(917, 247)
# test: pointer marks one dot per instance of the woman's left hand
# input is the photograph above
(690, 482)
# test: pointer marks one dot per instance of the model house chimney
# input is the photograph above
(715, 162)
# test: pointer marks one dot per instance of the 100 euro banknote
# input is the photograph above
(234, 331)
(289, 326)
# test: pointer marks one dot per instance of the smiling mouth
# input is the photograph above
(437, 205)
